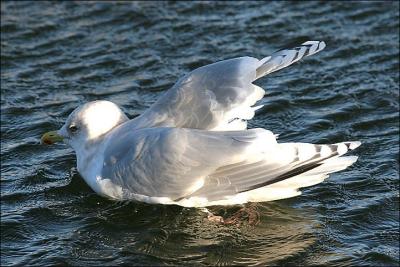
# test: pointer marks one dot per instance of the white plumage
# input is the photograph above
(192, 147)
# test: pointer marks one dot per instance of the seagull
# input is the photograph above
(192, 147)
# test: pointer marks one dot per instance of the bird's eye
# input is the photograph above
(73, 128)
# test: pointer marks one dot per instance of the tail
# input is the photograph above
(285, 57)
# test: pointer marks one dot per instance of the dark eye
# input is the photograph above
(73, 128)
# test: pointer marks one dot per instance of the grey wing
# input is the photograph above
(277, 164)
(171, 162)
(208, 98)
(220, 96)
(181, 163)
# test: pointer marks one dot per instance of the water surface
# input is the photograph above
(55, 56)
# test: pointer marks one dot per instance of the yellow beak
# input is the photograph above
(51, 138)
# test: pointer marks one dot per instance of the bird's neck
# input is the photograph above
(89, 162)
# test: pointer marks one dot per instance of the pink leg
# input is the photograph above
(248, 213)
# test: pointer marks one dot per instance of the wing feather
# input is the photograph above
(174, 162)
(219, 96)
(181, 163)
(280, 163)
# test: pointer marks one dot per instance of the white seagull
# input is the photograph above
(192, 147)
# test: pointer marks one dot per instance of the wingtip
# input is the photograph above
(354, 144)
(320, 45)
(314, 42)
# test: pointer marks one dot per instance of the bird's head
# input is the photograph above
(87, 123)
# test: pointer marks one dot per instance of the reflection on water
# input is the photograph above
(175, 235)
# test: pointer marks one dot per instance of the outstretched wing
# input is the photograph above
(220, 96)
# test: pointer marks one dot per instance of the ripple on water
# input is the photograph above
(57, 56)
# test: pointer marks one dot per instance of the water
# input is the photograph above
(55, 56)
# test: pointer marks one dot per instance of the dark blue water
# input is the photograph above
(55, 56)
